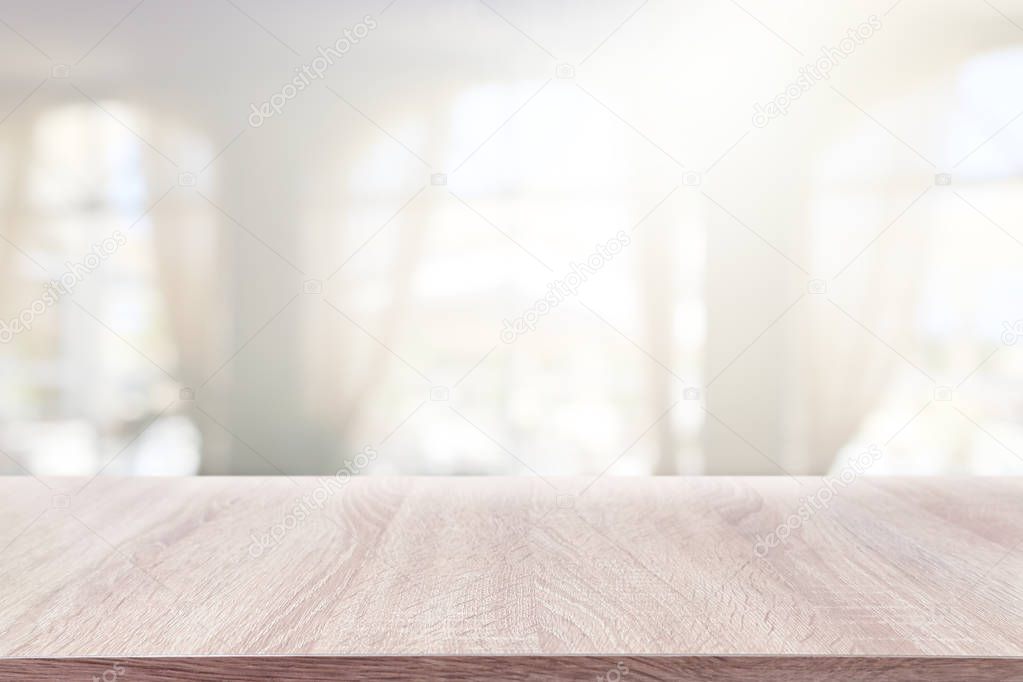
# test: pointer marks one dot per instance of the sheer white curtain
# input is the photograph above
(16, 152)
(890, 206)
(852, 336)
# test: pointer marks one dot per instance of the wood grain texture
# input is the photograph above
(523, 668)
(898, 576)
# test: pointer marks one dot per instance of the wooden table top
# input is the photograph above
(631, 572)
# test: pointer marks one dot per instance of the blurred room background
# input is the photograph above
(821, 206)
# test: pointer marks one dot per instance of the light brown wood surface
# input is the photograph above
(919, 576)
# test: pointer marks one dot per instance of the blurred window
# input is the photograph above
(570, 393)
(78, 384)
(956, 260)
